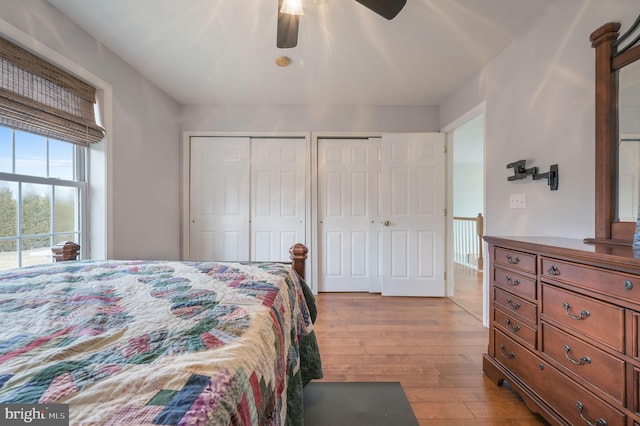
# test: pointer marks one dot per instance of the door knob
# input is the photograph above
(387, 223)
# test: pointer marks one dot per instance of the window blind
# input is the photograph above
(39, 97)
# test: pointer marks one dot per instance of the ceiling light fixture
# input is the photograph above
(292, 7)
(283, 61)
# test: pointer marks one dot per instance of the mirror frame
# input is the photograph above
(610, 58)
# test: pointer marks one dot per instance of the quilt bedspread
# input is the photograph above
(154, 342)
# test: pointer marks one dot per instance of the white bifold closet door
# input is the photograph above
(247, 198)
(349, 214)
(381, 218)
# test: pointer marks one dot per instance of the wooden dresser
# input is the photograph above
(565, 328)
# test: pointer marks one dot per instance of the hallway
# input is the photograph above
(468, 289)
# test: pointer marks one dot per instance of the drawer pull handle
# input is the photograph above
(513, 261)
(511, 281)
(583, 315)
(553, 270)
(509, 355)
(513, 305)
(599, 422)
(628, 285)
(582, 360)
(514, 329)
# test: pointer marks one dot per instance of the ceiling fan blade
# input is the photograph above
(386, 8)
(287, 29)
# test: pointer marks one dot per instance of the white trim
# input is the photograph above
(472, 113)
(100, 243)
(449, 285)
(448, 129)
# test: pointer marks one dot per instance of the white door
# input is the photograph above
(278, 190)
(628, 178)
(348, 213)
(219, 199)
(413, 187)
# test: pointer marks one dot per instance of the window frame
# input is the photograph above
(80, 184)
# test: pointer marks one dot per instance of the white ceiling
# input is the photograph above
(223, 51)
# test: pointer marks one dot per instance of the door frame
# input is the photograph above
(448, 131)
(185, 186)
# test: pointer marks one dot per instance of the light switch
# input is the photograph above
(518, 201)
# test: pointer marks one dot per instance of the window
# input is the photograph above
(47, 121)
(42, 194)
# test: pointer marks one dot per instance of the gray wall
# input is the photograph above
(539, 96)
(144, 137)
(309, 118)
(539, 107)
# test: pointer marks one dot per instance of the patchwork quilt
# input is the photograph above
(154, 342)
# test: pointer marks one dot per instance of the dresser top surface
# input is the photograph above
(605, 255)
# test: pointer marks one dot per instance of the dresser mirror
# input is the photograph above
(629, 142)
(617, 195)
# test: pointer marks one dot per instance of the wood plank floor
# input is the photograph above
(432, 346)
(468, 289)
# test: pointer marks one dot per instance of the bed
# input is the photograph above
(159, 342)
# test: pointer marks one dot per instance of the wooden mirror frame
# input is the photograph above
(610, 58)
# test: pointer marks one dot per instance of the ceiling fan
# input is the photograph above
(288, 23)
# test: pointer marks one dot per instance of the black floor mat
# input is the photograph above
(357, 403)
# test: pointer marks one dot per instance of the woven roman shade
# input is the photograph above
(38, 97)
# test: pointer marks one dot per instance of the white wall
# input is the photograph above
(468, 168)
(539, 97)
(309, 118)
(145, 135)
(467, 189)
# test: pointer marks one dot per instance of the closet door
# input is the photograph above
(381, 216)
(413, 187)
(348, 214)
(278, 197)
(219, 199)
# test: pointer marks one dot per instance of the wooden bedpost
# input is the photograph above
(65, 251)
(298, 257)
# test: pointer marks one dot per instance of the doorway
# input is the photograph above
(466, 144)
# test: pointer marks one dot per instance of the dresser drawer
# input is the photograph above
(515, 327)
(514, 282)
(573, 402)
(516, 260)
(598, 320)
(515, 305)
(521, 362)
(636, 391)
(551, 385)
(602, 369)
(633, 334)
(611, 283)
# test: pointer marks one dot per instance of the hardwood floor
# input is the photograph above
(431, 346)
(468, 289)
